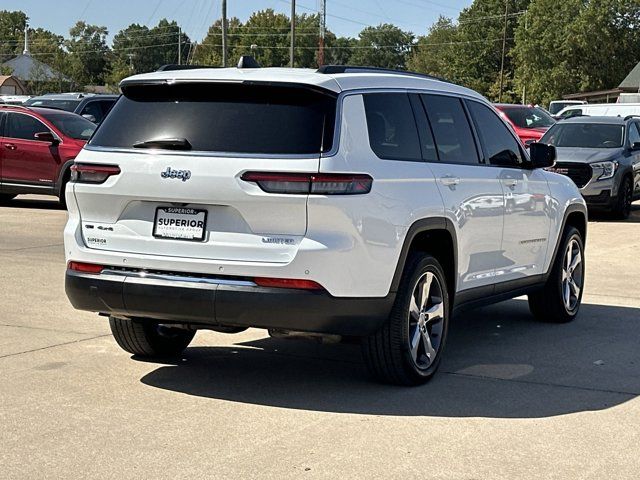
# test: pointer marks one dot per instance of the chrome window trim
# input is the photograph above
(359, 91)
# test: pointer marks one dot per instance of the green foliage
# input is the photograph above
(89, 55)
(139, 49)
(12, 33)
(435, 53)
(385, 46)
(558, 47)
(576, 46)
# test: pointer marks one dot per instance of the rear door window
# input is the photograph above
(451, 129)
(23, 127)
(500, 146)
(225, 118)
(391, 125)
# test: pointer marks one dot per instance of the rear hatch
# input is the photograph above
(182, 148)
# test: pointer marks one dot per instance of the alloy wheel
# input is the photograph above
(572, 275)
(426, 320)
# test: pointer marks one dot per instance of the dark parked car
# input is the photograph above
(91, 106)
(602, 157)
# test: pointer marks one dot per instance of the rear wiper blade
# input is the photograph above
(165, 143)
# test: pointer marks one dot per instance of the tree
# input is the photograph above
(435, 53)
(478, 56)
(340, 50)
(576, 45)
(268, 32)
(12, 33)
(139, 49)
(209, 52)
(385, 46)
(88, 53)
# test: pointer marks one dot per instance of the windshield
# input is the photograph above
(584, 135)
(555, 107)
(528, 117)
(229, 118)
(67, 105)
(73, 126)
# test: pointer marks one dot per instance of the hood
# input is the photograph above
(587, 155)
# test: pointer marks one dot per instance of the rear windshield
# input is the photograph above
(237, 118)
(67, 105)
(71, 125)
(585, 135)
(528, 117)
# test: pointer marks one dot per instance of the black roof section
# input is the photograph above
(333, 69)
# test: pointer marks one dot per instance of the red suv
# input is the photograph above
(530, 123)
(37, 148)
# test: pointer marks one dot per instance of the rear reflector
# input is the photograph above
(88, 173)
(287, 283)
(85, 267)
(311, 183)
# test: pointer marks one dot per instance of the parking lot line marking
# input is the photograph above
(53, 346)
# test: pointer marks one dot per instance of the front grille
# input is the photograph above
(580, 173)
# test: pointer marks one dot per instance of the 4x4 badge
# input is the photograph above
(184, 175)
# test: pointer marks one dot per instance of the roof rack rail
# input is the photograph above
(174, 66)
(333, 69)
(629, 117)
(13, 105)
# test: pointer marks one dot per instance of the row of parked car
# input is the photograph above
(599, 149)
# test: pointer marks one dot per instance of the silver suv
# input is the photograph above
(345, 201)
(602, 156)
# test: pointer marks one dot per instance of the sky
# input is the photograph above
(344, 17)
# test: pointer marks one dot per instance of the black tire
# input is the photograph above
(147, 338)
(63, 188)
(622, 207)
(549, 304)
(6, 197)
(388, 353)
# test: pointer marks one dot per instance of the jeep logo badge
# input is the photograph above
(184, 175)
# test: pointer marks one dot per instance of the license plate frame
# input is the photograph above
(176, 212)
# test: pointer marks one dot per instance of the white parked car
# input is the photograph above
(558, 105)
(343, 201)
(601, 110)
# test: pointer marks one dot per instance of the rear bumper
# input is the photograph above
(220, 302)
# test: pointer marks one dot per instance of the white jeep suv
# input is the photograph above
(346, 201)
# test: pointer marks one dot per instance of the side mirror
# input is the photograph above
(542, 155)
(89, 117)
(47, 137)
(635, 146)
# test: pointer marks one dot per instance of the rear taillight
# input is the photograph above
(88, 173)
(311, 183)
(287, 283)
(85, 267)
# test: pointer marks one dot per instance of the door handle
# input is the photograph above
(511, 182)
(450, 180)
(10, 146)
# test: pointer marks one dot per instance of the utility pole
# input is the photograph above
(179, 46)
(323, 26)
(504, 48)
(224, 33)
(293, 34)
(524, 87)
